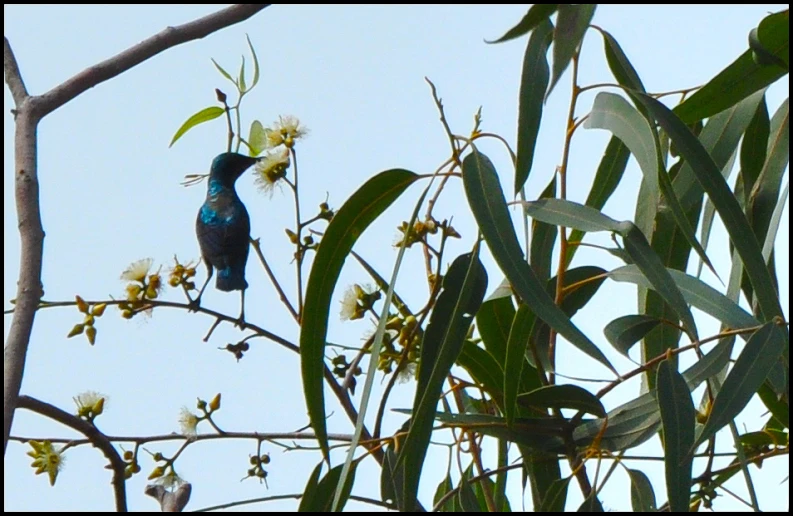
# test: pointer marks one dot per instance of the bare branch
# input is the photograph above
(169, 37)
(13, 78)
(96, 437)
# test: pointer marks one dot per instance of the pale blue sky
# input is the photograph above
(111, 194)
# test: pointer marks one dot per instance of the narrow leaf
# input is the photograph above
(310, 492)
(677, 417)
(223, 72)
(726, 204)
(241, 78)
(742, 77)
(607, 177)
(464, 288)
(556, 497)
(626, 331)
(653, 269)
(696, 293)
(489, 207)
(563, 396)
(761, 353)
(382, 284)
(533, 83)
(255, 63)
(519, 335)
(642, 494)
(360, 210)
(205, 115)
(537, 14)
(572, 22)
(543, 239)
(561, 212)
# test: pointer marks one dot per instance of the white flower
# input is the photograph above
(407, 372)
(90, 402)
(138, 270)
(285, 131)
(188, 422)
(271, 169)
(349, 304)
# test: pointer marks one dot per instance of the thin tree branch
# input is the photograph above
(146, 49)
(13, 78)
(259, 436)
(96, 438)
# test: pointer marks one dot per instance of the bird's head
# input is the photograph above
(227, 167)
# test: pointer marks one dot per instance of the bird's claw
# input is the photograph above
(194, 304)
(240, 322)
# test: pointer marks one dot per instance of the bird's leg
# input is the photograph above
(241, 321)
(195, 303)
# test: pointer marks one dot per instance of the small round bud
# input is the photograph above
(128, 455)
(215, 403)
(81, 304)
(76, 330)
(90, 332)
(98, 310)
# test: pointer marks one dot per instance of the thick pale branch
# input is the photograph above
(96, 438)
(169, 37)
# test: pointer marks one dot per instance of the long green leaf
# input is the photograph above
(493, 321)
(318, 497)
(572, 22)
(563, 396)
(255, 63)
(753, 150)
(205, 115)
(642, 494)
(613, 113)
(751, 368)
(464, 288)
(638, 420)
(742, 77)
(659, 276)
(556, 497)
(626, 331)
(726, 204)
(607, 177)
(678, 418)
(382, 284)
(533, 83)
(696, 293)
(543, 239)
(567, 213)
(537, 14)
(360, 210)
(519, 334)
(489, 207)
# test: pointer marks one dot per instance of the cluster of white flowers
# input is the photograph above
(280, 140)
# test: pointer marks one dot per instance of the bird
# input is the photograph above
(223, 228)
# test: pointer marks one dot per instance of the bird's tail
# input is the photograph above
(230, 278)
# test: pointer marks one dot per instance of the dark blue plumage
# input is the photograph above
(224, 228)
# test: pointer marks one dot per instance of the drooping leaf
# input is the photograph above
(320, 498)
(726, 204)
(543, 239)
(363, 207)
(533, 84)
(572, 22)
(608, 176)
(624, 332)
(556, 497)
(697, 293)
(489, 207)
(642, 494)
(761, 352)
(205, 115)
(537, 14)
(743, 76)
(519, 334)
(464, 288)
(563, 396)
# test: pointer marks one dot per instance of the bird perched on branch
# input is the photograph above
(224, 228)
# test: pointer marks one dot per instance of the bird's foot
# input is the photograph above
(240, 322)
(194, 304)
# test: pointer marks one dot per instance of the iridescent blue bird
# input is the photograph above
(224, 228)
